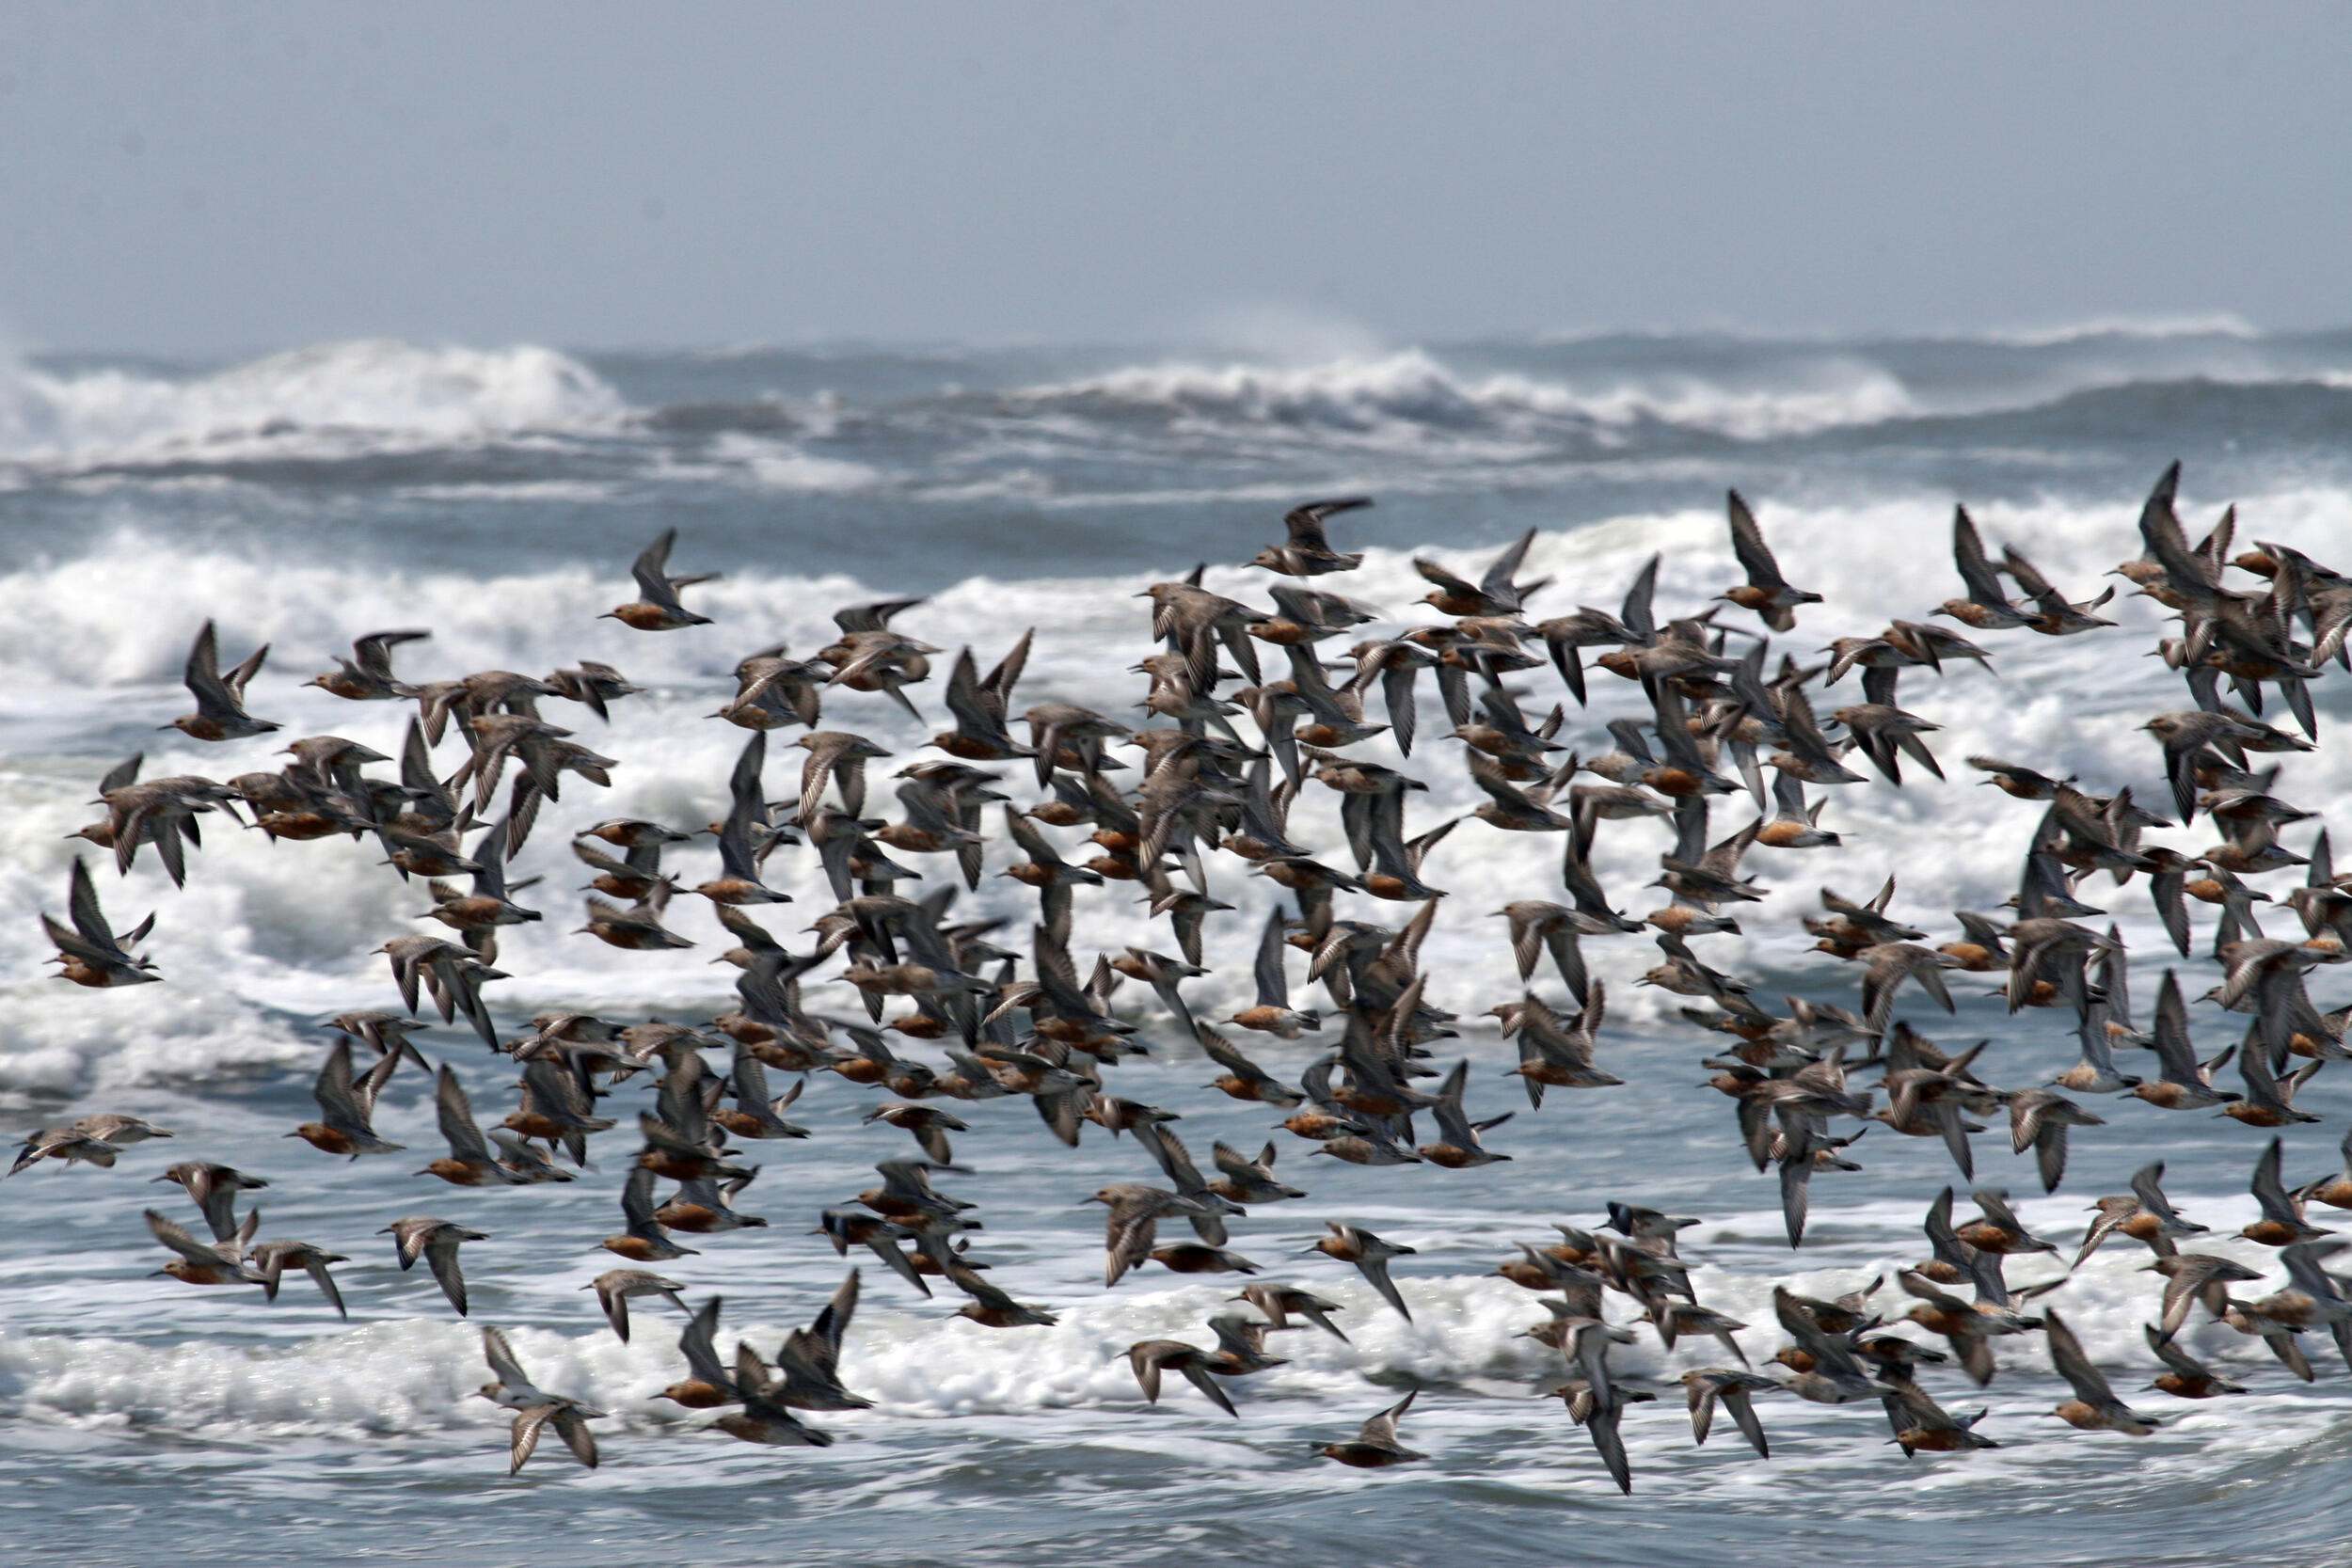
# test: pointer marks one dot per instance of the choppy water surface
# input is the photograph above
(496, 497)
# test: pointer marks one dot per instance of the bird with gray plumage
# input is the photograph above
(1735, 1391)
(436, 1241)
(271, 1259)
(1369, 1253)
(989, 1305)
(93, 1140)
(1306, 551)
(2039, 1120)
(1279, 1301)
(214, 1190)
(614, 1287)
(1148, 1358)
(535, 1410)
(1132, 1225)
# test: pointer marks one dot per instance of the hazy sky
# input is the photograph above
(205, 177)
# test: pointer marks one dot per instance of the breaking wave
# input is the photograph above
(1395, 392)
(328, 399)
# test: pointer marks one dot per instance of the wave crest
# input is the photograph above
(373, 393)
(1414, 388)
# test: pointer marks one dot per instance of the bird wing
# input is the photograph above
(2066, 1355)
(1376, 1271)
(1380, 1432)
(1498, 582)
(455, 1115)
(1747, 543)
(315, 1267)
(2147, 1186)
(2268, 1188)
(966, 701)
(698, 1343)
(201, 675)
(82, 906)
(2174, 1051)
(372, 652)
(2171, 1354)
(1432, 572)
(1608, 1443)
(1303, 524)
(820, 1343)
(1976, 569)
(176, 1237)
(652, 568)
(441, 1254)
(528, 1425)
(1637, 615)
(336, 1095)
(2030, 580)
(1127, 1236)
(500, 1355)
(572, 1427)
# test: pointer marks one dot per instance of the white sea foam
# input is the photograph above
(780, 465)
(523, 490)
(369, 394)
(2216, 324)
(2222, 324)
(1412, 390)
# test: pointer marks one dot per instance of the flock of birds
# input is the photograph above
(1157, 800)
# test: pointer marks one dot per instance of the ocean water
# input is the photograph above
(497, 494)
